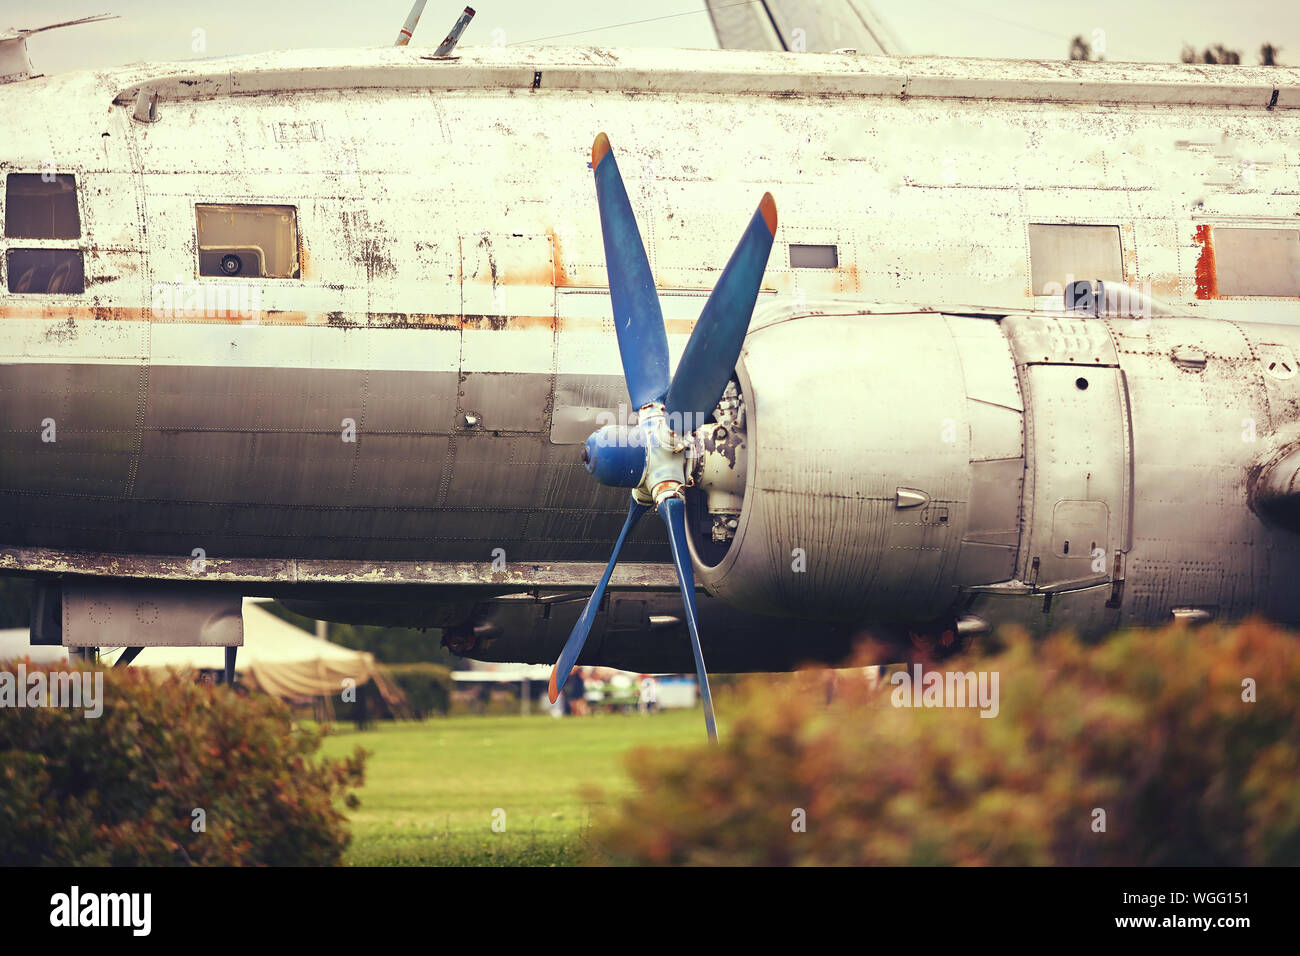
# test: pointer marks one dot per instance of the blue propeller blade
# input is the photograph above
(714, 346)
(578, 636)
(638, 320)
(672, 510)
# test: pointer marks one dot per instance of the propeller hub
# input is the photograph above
(665, 458)
(649, 456)
(614, 456)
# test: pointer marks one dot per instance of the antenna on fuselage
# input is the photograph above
(412, 18)
(449, 42)
(15, 64)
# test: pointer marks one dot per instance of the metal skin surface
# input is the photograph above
(452, 304)
(1121, 475)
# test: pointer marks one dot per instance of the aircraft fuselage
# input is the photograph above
(394, 385)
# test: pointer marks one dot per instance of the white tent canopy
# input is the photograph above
(279, 658)
(266, 638)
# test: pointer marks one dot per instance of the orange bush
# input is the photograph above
(1150, 727)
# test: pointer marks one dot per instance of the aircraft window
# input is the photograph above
(813, 257)
(45, 270)
(1257, 261)
(39, 209)
(248, 240)
(1061, 254)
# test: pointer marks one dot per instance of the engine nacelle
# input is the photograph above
(878, 468)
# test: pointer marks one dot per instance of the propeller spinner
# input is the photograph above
(652, 459)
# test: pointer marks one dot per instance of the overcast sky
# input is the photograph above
(1152, 30)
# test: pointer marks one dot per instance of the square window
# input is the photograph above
(45, 270)
(41, 206)
(803, 256)
(1062, 253)
(1257, 261)
(247, 241)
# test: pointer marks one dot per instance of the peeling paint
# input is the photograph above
(63, 333)
(1207, 279)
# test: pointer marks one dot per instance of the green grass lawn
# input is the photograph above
(431, 788)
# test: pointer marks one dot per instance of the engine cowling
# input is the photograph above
(868, 476)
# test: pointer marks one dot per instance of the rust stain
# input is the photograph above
(1165, 285)
(92, 312)
(103, 313)
(575, 323)
(557, 252)
(411, 320)
(1207, 277)
(543, 275)
(431, 321)
(849, 272)
(335, 319)
(288, 317)
(499, 323)
(515, 276)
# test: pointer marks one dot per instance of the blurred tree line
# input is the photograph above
(1082, 49)
(1218, 53)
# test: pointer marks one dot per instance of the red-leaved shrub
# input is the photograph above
(1155, 729)
(173, 772)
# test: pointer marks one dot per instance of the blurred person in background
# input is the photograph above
(648, 700)
(575, 690)
(595, 695)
